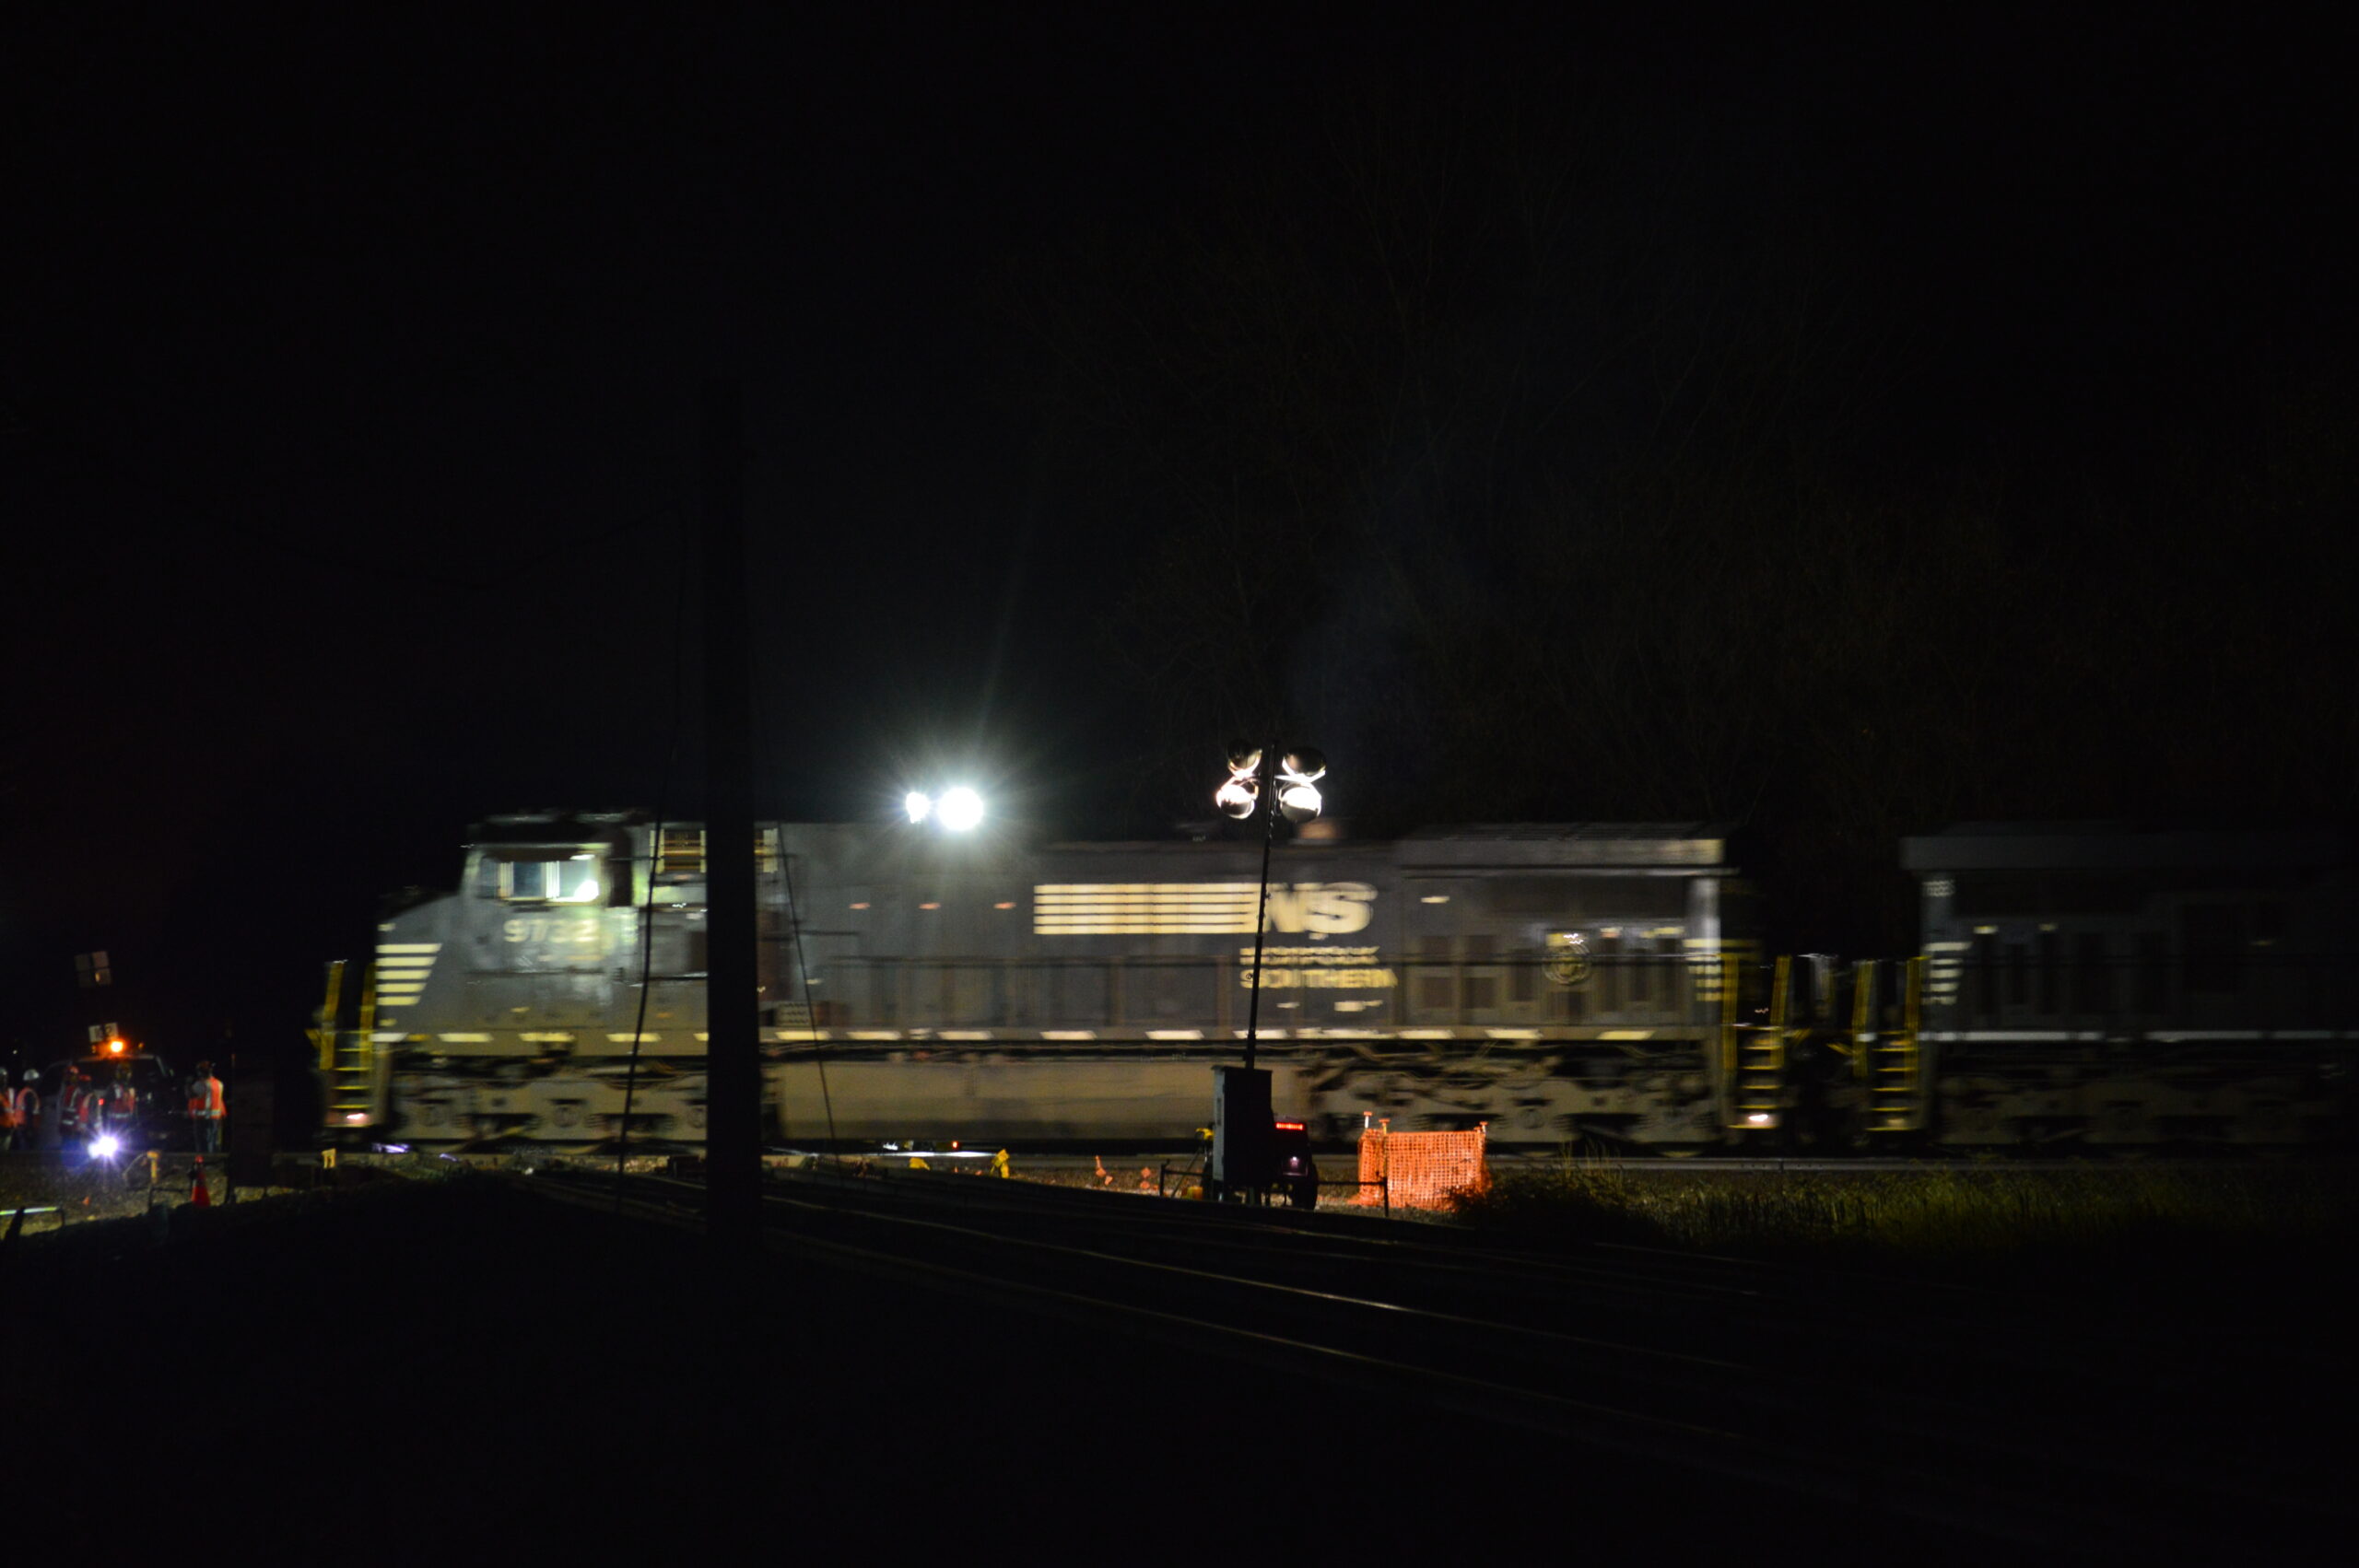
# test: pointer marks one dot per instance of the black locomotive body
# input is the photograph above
(1599, 983)
(1548, 980)
(2101, 985)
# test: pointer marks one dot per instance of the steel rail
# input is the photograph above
(1851, 1481)
(1939, 1419)
(2041, 1339)
(1972, 1433)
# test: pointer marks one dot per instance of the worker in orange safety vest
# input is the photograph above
(205, 1108)
(119, 1103)
(81, 1105)
(20, 1113)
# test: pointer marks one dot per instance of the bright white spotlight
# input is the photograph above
(961, 809)
(918, 805)
(105, 1146)
(1299, 801)
(1237, 798)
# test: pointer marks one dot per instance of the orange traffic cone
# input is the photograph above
(199, 1195)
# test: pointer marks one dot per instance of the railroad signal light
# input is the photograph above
(1242, 792)
(1294, 783)
(1298, 771)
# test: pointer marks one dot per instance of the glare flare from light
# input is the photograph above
(962, 809)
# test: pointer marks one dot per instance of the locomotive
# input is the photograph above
(1598, 983)
(2093, 984)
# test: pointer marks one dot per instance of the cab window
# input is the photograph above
(553, 876)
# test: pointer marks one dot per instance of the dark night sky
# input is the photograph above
(350, 362)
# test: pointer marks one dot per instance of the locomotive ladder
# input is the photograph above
(348, 1058)
(1894, 1064)
(1753, 1059)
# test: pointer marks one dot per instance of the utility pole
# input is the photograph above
(733, 1020)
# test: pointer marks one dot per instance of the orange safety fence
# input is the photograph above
(1421, 1168)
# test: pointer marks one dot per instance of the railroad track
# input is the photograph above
(1973, 1410)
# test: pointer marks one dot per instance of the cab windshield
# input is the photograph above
(542, 876)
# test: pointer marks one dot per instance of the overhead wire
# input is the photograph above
(794, 935)
(810, 1004)
(654, 865)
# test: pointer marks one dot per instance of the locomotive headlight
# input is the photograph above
(961, 809)
(918, 804)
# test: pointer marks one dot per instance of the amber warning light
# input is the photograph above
(1289, 1127)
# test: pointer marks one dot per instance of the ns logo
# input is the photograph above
(1330, 908)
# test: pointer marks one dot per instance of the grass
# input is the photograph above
(2122, 1226)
